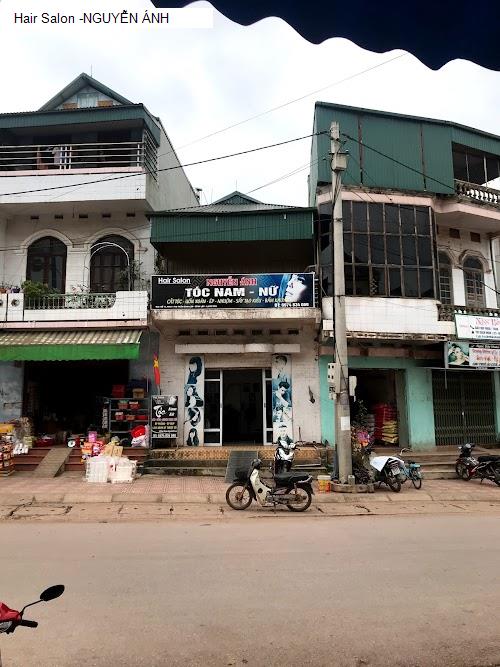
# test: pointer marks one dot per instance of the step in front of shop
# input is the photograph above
(30, 462)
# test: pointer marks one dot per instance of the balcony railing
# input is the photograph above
(479, 193)
(67, 157)
(447, 312)
(59, 301)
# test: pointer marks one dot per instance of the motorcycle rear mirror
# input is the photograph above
(52, 593)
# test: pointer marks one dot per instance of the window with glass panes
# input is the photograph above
(445, 283)
(388, 249)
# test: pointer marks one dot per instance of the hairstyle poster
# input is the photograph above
(281, 371)
(194, 401)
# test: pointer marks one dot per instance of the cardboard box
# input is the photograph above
(137, 393)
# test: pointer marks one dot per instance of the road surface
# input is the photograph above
(282, 590)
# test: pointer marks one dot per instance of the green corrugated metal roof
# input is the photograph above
(27, 119)
(422, 143)
(69, 345)
(272, 225)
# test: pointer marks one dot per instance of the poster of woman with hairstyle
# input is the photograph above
(282, 415)
(293, 288)
(194, 402)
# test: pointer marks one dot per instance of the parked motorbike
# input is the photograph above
(468, 466)
(283, 456)
(291, 489)
(10, 619)
(386, 469)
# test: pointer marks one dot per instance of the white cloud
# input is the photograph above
(199, 81)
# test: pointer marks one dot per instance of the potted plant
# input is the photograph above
(34, 292)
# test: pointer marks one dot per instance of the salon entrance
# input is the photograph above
(238, 406)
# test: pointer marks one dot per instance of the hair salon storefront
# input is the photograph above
(243, 376)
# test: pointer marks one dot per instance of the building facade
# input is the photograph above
(421, 219)
(237, 312)
(78, 179)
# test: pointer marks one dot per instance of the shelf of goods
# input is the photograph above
(126, 413)
(6, 460)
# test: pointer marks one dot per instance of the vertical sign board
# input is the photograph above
(164, 419)
(194, 401)
(281, 372)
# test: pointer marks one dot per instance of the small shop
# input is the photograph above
(73, 383)
(377, 404)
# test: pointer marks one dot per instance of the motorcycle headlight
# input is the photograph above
(6, 625)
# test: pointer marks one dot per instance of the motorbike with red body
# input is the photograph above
(10, 619)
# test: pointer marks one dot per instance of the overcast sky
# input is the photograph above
(202, 80)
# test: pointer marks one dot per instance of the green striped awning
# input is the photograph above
(68, 345)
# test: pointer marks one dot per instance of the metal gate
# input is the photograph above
(464, 407)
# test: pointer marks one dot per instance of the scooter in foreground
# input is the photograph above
(10, 619)
(291, 489)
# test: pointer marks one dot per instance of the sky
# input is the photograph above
(200, 81)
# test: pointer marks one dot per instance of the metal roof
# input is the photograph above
(103, 337)
(77, 84)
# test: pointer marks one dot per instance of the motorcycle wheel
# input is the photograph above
(416, 479)
(497, 477)
(238, 496)
(303, 501)
(393, 483)
(462, 471)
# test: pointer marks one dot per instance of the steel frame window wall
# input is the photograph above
(389, 250)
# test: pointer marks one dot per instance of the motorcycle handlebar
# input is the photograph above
(28, 624)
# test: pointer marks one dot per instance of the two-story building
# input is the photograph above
(236, 308)
(78, 178)
(421, 219)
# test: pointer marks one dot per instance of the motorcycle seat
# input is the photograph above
(291, 477)
(485, 459)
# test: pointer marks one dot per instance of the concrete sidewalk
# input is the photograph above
(70, 489)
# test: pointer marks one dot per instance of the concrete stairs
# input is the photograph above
(53, 463)
(437, 463)
(30, 462)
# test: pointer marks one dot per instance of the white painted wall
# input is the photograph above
(391, 315)
(305, 374)
(457, 250)
(78, 235)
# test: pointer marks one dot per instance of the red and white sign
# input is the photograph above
(475, 327)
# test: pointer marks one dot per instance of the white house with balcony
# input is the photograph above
(78, 179)
(421, 220)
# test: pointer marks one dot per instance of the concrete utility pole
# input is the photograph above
(342, 412)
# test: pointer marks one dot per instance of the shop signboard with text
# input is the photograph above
(259, 290)
(471, 355)
(164, 417)
(476, 327)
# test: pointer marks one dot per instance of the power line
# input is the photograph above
(179, 166)
(285, 104)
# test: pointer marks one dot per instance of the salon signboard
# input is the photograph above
(471, 355)
(476, 327)
(258, 290)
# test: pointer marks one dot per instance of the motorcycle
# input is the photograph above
(10, 619)
(283, 457)
(468, 466)
(386, 469)
(291, 489)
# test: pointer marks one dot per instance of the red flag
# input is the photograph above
(156, 369)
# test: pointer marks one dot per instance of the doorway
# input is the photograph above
(242, 406)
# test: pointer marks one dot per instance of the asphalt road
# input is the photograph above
(283, 590)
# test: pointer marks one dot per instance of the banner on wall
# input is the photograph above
(475, 327)
(194, 403)
(281, 373)
(471, 355)
(260, 290)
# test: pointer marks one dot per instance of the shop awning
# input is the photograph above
(69, 345)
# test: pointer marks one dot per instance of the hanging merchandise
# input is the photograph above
(6, 460)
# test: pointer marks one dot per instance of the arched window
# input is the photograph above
(110, 269)
(445, 281)
(474, 283)
(47, 263)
